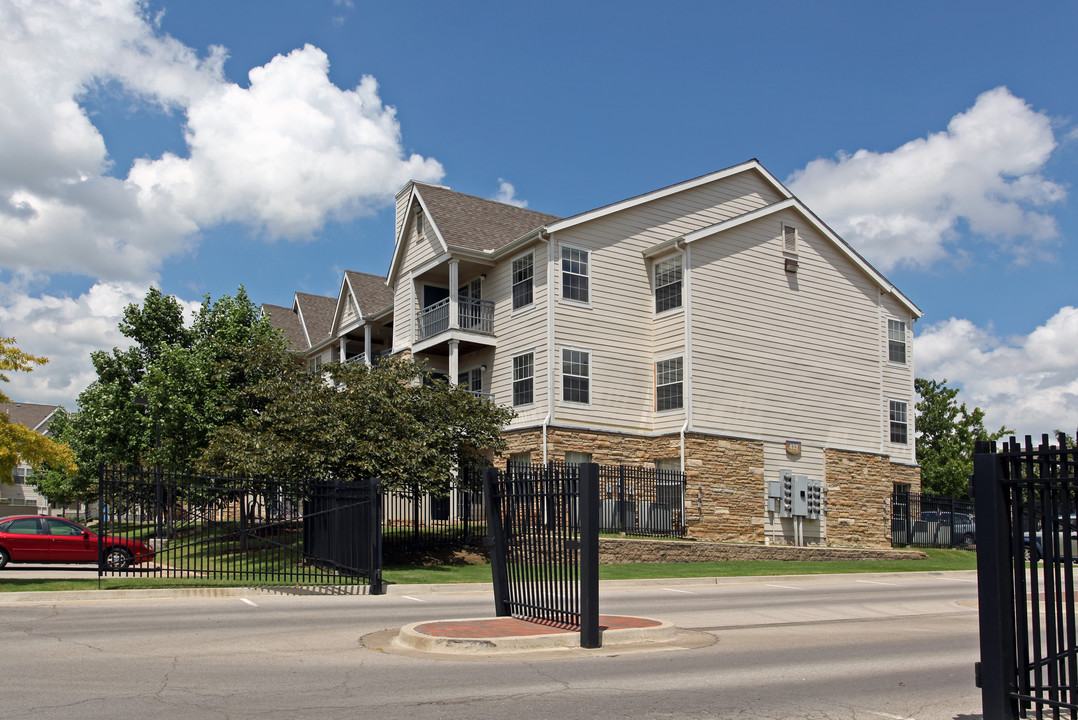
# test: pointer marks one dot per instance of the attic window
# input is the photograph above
(789, 239)
(418, 223)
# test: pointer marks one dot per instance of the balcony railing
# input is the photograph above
(472, 316)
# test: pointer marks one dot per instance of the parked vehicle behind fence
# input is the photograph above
(42, 539)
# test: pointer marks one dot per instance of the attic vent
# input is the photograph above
(419, 223)
(789, 239)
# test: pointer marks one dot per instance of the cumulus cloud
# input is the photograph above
(65, 330)
(906, 207)
(1028, 383)
(282, 156)
(507, 194)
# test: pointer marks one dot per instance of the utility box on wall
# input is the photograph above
(796, 496)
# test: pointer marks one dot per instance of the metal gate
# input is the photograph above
(544, 535)
(1027, 545)
(258, 531)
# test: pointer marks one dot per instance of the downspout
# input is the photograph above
(549, 336)
(686, 258)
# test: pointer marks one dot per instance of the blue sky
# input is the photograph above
(203, 145)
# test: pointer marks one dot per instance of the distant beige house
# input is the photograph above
(716, 326)
(20, 497)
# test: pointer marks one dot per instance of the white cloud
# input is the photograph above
(507, 194)
(1027, 383)
(281, 156)
(905, 207)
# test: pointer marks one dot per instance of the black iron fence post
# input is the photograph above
(998, 665)
(589, 556)
(496, 541)
(101, 527)
(374, 542)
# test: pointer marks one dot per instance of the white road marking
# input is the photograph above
(248, 602)
(787, 587)
(413, 598)
(877, 582)
(893, 717)
(954, 579)
(687, 592)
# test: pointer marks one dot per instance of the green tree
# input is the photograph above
(19, 443)
(946, 433)
(157, 402)
(58, 486)
(351, 422)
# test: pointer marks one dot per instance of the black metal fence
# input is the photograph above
(641, 501)
(932, 521)
(1026, 501)
(453, 517)
(544, 527)
(260, 531)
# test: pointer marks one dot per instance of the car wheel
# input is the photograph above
(4, 557)
(117, 558)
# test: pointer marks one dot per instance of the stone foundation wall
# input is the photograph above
(725, 490)
(859, 489)
(618, 551)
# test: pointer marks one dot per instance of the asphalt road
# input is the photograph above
(881, 646)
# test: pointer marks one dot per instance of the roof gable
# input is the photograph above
(33, 415)
(287, 321)
(366, 293)
(316, 316)
(467, 222)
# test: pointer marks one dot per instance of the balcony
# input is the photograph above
(473, 316)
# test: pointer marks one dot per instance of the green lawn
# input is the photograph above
(438, 574)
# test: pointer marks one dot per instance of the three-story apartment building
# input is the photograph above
(715, 326)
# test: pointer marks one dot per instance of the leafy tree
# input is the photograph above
(58, 486)
(19, 443)
(353, 422)
(946, 433)
(157, 402)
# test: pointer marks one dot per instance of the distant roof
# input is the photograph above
(316, 312)
(32, 415)
(371, 291)
(475, 223)
(286, 320)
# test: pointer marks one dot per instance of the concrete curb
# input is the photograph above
(409, 637)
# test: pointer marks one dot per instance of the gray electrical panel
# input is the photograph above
(797, 496)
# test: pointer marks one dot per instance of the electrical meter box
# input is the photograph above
(798, 495)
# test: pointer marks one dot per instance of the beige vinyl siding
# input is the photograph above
(896, 381)
(811, 463)
(349, 316)
(779, 355)
(618, 327)
(421, 248)
(403, 196)
(403, 312)
(520, 331)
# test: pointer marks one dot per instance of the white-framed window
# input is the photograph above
(577, 458)
(667, 284)
(575, 274)
(471, 379)
(789, 239)
(523, 281)
(896, 341)
(576, 376)
(670, 384)
(524, 379)
(520, 458)
(899, 419)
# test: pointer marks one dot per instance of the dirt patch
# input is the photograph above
(429, 557)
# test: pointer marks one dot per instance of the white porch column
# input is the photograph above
(454, 360)
(344, 350)
(454, 288)
(367, 344)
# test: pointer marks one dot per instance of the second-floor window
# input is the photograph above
(575, 274)
(896, 341)
(899, 422)
(523, 379)
(667, 284)
(471, 379)
(669, 384)
(523, 276)
(576, 376)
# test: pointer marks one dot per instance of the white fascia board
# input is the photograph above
(299, 313)
(670, 190)
(520, 243)
(664, 247)
(415, 199)
(792, 203)
(485, 257)
(42, 427)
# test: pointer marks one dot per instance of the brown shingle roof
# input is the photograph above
(286, 320)
(316, 312)
(475, 223)
(371, 291)
(32, 415)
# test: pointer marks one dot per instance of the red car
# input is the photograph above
(41, 539)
